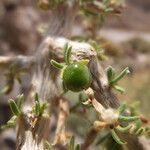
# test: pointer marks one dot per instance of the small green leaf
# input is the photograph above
(116, 138)
(120, 76)
(11, 123)
(140, 131)
(36, 97)
(134, 108)
(84, 61)
(121, 108)
(12, 119)
(37, 108)
(65, 48)
(6, 90)
(20, 99)
(96, 46)
(72, 143)
(128, 118)
(99, 50)
(77, 147)
(43, 107)
(47, 145)
(56, 64)
(110, 73)
(14, 108)
(119, 89)
(138, 125)
(67, 53)
(123, 129)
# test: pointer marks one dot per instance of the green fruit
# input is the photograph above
(76, 77)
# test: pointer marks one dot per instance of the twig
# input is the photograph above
(61, 135)
(32, 132)
(22, 62)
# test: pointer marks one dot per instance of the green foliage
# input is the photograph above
(11, 123)
(13, 74)
(67, 53)
(121, 119)
(119, 76)
(47, 145)
(72, 145)
(15, 107)
(128, 119)
(124, 124)
(56, 64)
(134, 124)
(113, 78)
(99, 50)
(124, 129)
(39, 107)
(116, 138)
(20, 100)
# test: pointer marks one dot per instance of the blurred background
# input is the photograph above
(125, 38)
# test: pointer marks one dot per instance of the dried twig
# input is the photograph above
(32, 132)
(61, 135)
(22, 62)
